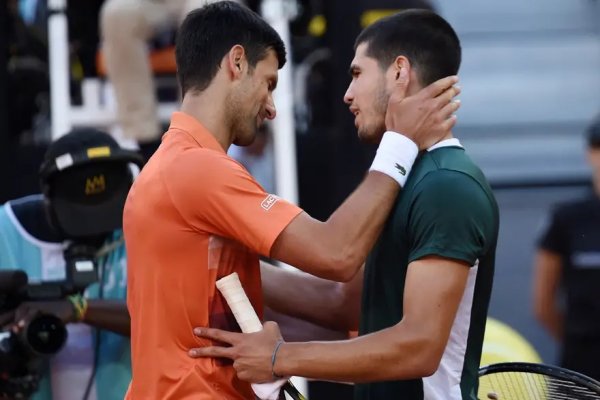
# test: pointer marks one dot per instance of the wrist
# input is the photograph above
(80, 306)
(287, 363)
(395, 156)
(276, 349)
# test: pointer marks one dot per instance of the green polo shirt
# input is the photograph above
(446, 209)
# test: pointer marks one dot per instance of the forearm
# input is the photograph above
(297, 330)
(111, 315)
(385, 355)
(304, 296)
(353, 228)
(337, 248)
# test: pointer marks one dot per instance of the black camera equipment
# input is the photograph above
(22, 352)
(85, 180)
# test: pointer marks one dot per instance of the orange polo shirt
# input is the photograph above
(192, 216)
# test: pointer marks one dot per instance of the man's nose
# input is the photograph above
(348, 97)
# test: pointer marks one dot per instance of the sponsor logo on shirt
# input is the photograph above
(268, 202)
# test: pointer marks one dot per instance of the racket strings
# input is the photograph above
(526, 385)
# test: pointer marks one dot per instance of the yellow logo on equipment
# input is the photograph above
(95, 185)
(95, 152)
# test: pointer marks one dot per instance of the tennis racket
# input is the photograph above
(233, 292)
(524, 381)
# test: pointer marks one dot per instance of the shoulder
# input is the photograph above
(455, 197)
(12, 212)
(28, 204)
(449, 183)
(207, 178)
(202, 166)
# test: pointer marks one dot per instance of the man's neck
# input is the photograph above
(208, 108)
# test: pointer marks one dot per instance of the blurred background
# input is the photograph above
(530, 82)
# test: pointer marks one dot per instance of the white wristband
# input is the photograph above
(395, 156)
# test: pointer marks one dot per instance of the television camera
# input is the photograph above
(85, 179)
(24, 349)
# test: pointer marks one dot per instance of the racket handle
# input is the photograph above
(231, 288)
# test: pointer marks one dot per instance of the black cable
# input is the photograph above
(90, 383)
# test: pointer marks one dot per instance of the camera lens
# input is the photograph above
(46, 334)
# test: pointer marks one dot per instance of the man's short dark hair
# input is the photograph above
(593, 134)
(208, 33)
(422, 36)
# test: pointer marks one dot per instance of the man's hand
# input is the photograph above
(425, 117)
(251, 353)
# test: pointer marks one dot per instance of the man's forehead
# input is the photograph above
(361, 50)
(360, 55)
(270, 60)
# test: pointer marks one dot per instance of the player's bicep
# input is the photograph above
(432, 295)
(452, 217)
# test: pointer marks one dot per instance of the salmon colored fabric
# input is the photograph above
(192, 216)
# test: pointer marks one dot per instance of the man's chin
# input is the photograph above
(246, 137)
(370, 137)
(246, 140)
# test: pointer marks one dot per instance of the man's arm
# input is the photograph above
(546, 284)
(111, 315)
(298, 330)
(337, 248)
(326, 303)
(412, 348)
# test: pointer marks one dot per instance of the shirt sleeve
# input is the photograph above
(451, 216)
(554, 233)
(215, 194)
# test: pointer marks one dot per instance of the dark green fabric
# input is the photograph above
(446, 209)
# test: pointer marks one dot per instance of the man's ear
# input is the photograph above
(401, 68)
(236, 61)
(401, 63)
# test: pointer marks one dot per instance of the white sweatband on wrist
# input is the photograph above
(395, 156)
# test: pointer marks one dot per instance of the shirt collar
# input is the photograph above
(201, 135)
(446, 143)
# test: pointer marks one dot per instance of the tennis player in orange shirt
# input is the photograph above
(195, 215)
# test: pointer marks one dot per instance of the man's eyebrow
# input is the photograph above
(353, 69)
